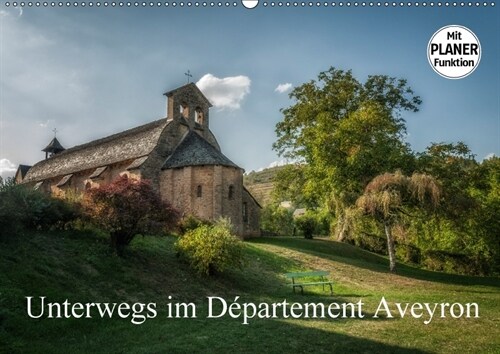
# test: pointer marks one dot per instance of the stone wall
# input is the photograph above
(251, 222)
(168, 141)
(80, 181)
(210, 192)
(192, 100)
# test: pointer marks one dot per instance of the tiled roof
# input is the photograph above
(196, 151)
(54, 146)
(129, 144)
(23, 169)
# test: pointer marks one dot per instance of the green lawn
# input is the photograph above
(80, 268)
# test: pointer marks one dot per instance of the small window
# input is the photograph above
(245, 212)
(198, 116)
(231, 192)
(198, 191)
(87, 186)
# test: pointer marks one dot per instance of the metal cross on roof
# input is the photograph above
(188, 74)
(55, 132)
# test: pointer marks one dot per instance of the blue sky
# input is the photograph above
(95, 71)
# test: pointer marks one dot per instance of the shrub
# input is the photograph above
(22, 208)
(408, 253)
(322, 219)
(306, 224)
(191, 222)
(369, 242)
(276, 220)
(455, 263)
(127, 207)
(211, 248)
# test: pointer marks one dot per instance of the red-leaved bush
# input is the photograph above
(127, 207)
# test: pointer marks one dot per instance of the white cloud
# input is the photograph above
(282, 88)
(278, 163)
(275, 164)
(7, 168)
(227, 92)
(489, 156)
(46, 123)
(4, 13)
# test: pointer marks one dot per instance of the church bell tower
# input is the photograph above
(53, 148)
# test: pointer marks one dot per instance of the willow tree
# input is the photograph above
(343, 133)
(391, 195)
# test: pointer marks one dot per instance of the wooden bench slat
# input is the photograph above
(315, 283)
(307, 274)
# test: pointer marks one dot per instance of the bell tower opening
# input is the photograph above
(188, 104)
(198, 116)
(184, 110)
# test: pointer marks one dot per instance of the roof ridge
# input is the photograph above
(129, 144)
(111, 137)
(195, 150)
(189, 85)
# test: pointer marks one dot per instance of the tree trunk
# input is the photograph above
(390, 248)
(341, 229)
(117, 243)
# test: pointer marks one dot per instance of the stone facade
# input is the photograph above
(211, 192)
(178, 154)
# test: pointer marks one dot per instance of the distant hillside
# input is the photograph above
(260, 184)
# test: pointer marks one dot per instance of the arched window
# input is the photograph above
(198, 191)
(230, 194)
(87, 186)
(198, 115)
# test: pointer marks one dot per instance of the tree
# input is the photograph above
(388, 196)
(486, 220)
(127, 207)
(23, 208)
(277, 220)
(467, 222)
(343, 133)
(306, 224)
(457, 170)
(288, 184)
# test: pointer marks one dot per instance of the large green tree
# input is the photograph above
(343, 133)
(468, 221)
(457, 170)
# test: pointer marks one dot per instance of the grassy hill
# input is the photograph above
(260, 184)
(262, 192)
(79, 267)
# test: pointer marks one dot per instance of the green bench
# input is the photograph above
(319, 278)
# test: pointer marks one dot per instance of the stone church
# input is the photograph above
(178, 154)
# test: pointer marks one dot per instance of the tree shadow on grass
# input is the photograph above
(227, 335)
(200, 335)
(348, 254)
